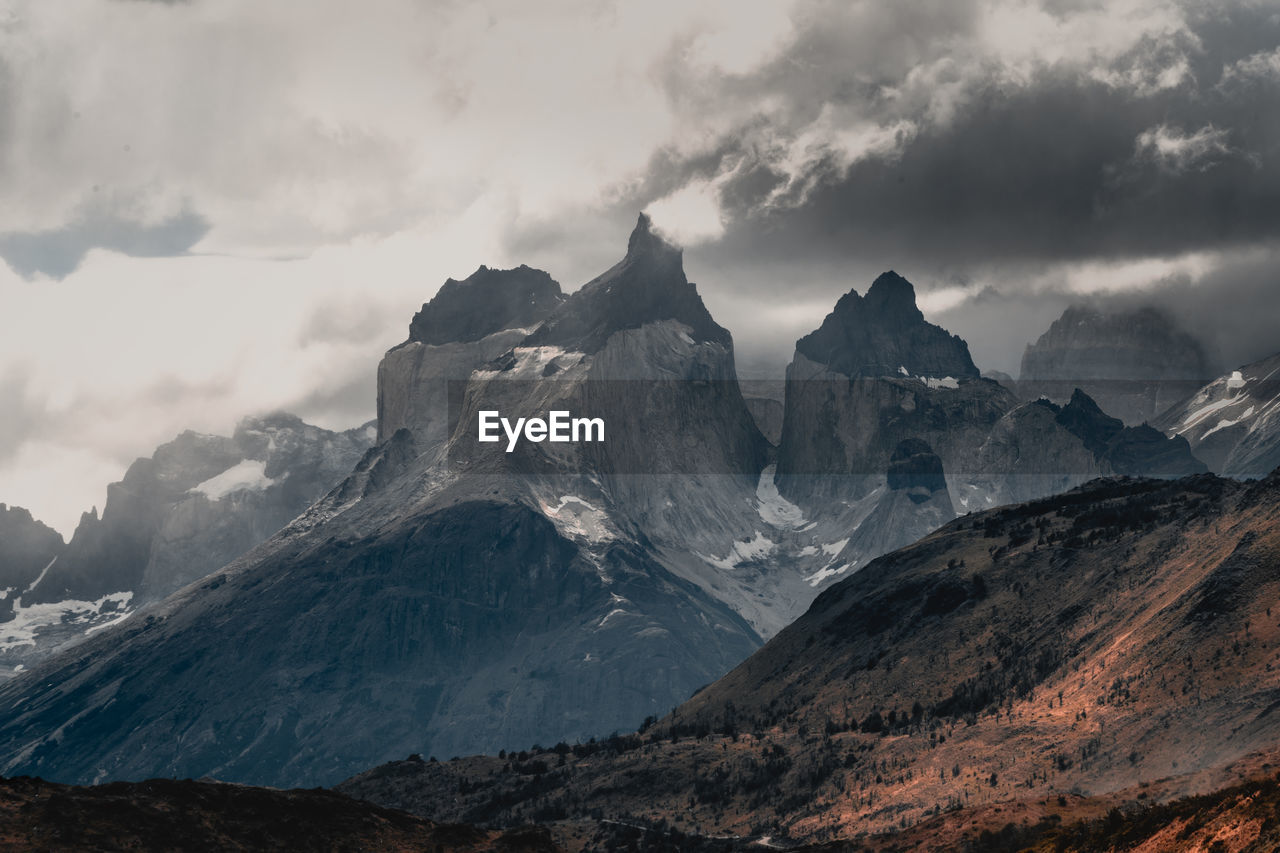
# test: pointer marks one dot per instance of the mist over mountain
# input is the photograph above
(1135, 363)
(196, 504)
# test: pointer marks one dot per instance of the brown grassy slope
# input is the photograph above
(1241, 818)
(1125, 632)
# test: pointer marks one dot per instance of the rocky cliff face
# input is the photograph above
(1233, 423)
(874, 374)
(466, 324)
(27, 548)
(1134, 363)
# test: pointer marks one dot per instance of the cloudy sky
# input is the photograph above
(210, 209)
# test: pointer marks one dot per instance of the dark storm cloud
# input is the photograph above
(1235, 308)
(1077, 161)
(1232, 309)
(58, 252)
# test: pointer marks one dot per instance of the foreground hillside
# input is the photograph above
(1079, 645)
(169, 815)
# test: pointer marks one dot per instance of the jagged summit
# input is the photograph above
(646, 286)
(1135, 451)
(884, 334)
(645, 241)
(485, 302)
(891, 295)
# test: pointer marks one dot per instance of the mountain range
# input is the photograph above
(449, 597)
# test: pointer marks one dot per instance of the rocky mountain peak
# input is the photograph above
(892, 296)
(1085, 418)
(26, 547)
(487, 301)
(884, 334)
(646, 242)
(647, 286)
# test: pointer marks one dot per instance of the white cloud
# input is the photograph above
(1178, 151)
(690, 215)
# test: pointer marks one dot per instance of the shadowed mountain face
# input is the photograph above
(513, 299)
(27, 547)
(1089, 641)
(884, 334)
(1134, 363)
(647, 286)
(1233, 423)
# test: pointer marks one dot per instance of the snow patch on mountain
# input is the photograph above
(249, 475)
(833, 548)
(829, 572)
(1205, 411)
(774, 509)
(744, 551)
(575, 518)
(35, 583)
(27, 622)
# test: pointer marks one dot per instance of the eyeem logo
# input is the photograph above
(558, 427)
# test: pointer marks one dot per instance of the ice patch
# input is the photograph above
(684, 336)
(610, 615)
(576, 518)
(944, 382)
(828, 572)
(903, 370)
(808, 551)
(774, 509)
(1200, 414)
(530, 362)
(1228, 422)
(1236, 380)
(742, 552)
(35, 583)
(834, 548)
(250, 475)
(28, 621)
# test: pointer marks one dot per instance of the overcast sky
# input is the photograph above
(210, 209)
